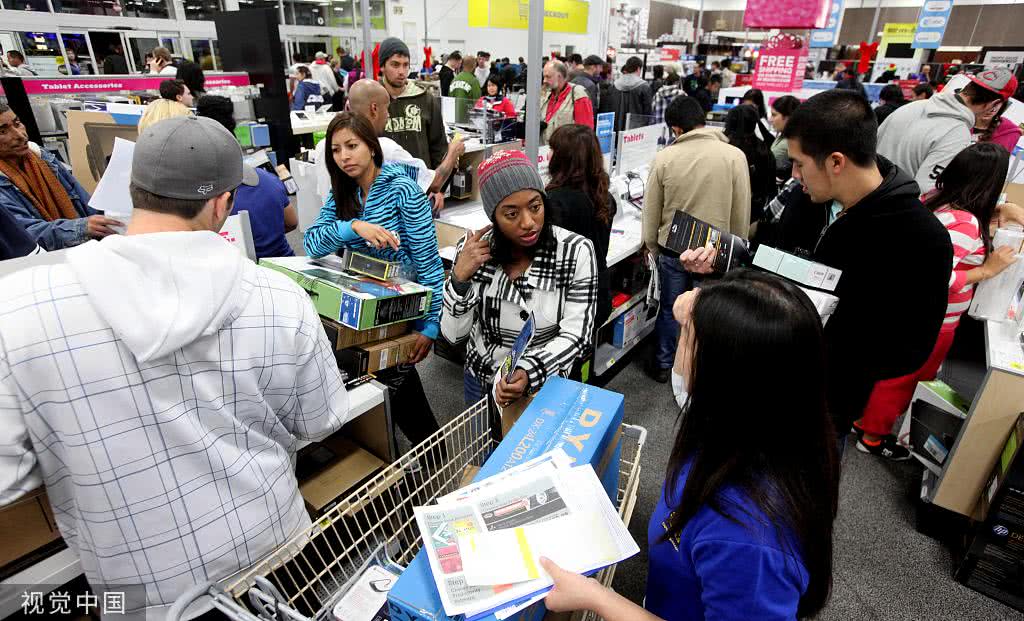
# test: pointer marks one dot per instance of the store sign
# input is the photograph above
(829, 35)
(931, 24)
(1003, 59)
(898, 33)
(786, 13)
(780, 65)
(559, 15)
(52, 86)
(638, 146)
(605, 130)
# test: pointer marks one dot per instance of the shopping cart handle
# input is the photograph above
(187, 598)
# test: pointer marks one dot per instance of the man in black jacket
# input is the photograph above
(451, 66)
(861, 215)
(894, 254)
(630, 94)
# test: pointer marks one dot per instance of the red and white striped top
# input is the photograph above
(968, 253)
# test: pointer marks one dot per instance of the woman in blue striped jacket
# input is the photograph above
(376, 209)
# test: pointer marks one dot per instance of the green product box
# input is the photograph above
(243, 135)
(354, 301)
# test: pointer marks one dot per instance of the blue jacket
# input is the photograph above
(58, 233)
(396, 203)
(307, 92)
(721, 570)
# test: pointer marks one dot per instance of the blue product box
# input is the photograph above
(628, 325)
(260, 135)
(584, 421)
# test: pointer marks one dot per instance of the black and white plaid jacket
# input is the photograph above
(560, 288)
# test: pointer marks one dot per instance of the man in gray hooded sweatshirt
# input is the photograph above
(159, 382)
(922, 137)
(630, 94)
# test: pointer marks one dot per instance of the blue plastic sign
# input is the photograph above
(931, 24)
(826, 37)
(605, 130)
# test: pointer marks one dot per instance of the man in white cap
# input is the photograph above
(159, 382)
(322, 73)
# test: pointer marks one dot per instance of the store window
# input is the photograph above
(139, 47)
(79, 59)
(350, 13)
(258, 4)
(305, 51)
(143, 8)
(306, 12)
(27, 5)
(42, 53)
(202, 53)
(201, 9)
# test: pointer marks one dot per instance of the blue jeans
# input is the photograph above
(472, 389)
(675, 281)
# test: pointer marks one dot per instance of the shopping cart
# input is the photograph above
(305, 577)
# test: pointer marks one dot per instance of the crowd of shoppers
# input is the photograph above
(743, 523)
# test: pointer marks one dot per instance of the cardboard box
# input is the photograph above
(347, 466)
(356, 302)
(584, 421)
(628, 325)
(372, 357)
(26, 525)
(994, 561)
(797, 269)
(343, 337)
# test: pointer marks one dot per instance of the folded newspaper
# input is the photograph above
(484, 542)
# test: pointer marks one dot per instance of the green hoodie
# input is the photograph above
(416, 124)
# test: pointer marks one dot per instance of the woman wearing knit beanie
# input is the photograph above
(520, 265)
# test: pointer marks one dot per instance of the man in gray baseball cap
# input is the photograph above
(190, 370)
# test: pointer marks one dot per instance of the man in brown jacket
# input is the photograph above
(703, 175)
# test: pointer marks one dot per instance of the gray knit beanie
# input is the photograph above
(391, 46)
(505, 173)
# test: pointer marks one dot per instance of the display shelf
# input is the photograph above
(608, 355)
(625, 306)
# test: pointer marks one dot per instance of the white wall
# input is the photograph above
(448, 29)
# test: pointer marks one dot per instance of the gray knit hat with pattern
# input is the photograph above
(504, 173)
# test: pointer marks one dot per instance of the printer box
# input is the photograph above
(584, 421)
(372, 357)
(342, 337)
(357, 302)
(27, 524)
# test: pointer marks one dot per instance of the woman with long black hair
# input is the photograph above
(579, 199)
(965, 200)
(741, 126)
(743, 529)
(375, 208)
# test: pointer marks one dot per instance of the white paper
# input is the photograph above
(367, 595)
(534, 497)
(111, 195)
(508, 611)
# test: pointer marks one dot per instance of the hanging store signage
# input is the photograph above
(829, 35)
(102, 84)
(780, 64)
(898, 33)
(931, 24)
(559, 15)
(786, 13)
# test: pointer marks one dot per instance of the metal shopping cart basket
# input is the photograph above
(306, 576)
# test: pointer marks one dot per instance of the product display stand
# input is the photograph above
(999, 402)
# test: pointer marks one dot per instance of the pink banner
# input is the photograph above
(780, 64)
(100, 84)
(786, 13)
